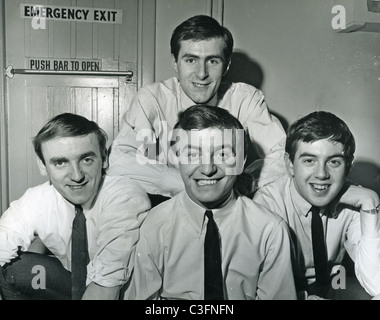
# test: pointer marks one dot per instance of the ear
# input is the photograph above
(288, 164)
(105, 163)
(227, 67)
(174, 63)
(42, 167)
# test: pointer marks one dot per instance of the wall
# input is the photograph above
(290, 50)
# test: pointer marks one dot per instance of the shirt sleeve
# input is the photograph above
(268, 137)
(16, 230)
(133, 152)
(146, 280)
(276, 281)
(363, 245)
(122, 214)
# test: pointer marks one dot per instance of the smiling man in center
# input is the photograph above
(253, 249)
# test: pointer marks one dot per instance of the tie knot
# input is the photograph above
(315, 210)
(79, 215)
(209, 215)
(78, 209)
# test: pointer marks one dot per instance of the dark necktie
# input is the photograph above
(212, 261)
(319, 248)
(79, 254)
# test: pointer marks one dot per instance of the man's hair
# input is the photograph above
(69, 125)
(201, 27)
(320, 125)
(201, 116)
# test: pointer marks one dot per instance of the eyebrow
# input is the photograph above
(82, 156)
(306, 154)
(189, 55)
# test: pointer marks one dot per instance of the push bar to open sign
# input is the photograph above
(10, 72)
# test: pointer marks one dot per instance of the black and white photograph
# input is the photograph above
(190, 151)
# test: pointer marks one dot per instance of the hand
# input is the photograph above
(355, 196)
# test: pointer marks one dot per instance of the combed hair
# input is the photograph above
(69, 125)
(201, 27)
(320, 125)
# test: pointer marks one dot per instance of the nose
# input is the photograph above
(321, 171)
(76, 173)
(202, 70)
(208, 169)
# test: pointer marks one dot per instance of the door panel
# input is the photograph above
(33, 99)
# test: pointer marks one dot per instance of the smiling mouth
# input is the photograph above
(319, 187)
(207, 182)
(77, 187)
(200, 85)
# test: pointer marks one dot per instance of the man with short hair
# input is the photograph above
(72, 152)
(209, 241)
(201, 55)
(319, 154)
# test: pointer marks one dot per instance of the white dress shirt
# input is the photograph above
(154, 110)
(112, 227)
(342, 232)
(255, 251)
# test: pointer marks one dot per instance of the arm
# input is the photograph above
(276, 280)
(268, 138)
(122, 213)
(16, 231)
(364, 251)
(146, 280)
(97, 292)
(131, 155)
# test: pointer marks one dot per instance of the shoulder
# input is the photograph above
(38, 200)
(44, 191)
(238, 88)
(168, 86)
(259, 212)
(161, 217)
(274, 189)
(121, 189)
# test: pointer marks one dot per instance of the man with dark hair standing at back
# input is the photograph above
(201, 55)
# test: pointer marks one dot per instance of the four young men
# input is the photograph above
(193, 138)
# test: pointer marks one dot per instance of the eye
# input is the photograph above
(214, 61)
(190, 60)
(335, 163)
(308, 161)
(88, 161)
(60, 163)
(224, 154)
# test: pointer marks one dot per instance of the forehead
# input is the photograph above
(213, 46)
(210, 137)
(70, 146)
(320, 148)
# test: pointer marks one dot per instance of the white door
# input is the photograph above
(56, 65)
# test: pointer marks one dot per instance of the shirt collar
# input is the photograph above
(196, 212)
(302, 206)
(299, 203)
(185, 102)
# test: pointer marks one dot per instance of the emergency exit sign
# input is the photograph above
(64, 64)
(65, 13)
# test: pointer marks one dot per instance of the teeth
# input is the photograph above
(76, 187)
(206, 182)
(199, 85)
(319, 187)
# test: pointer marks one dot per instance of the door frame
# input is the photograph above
(4, 197)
